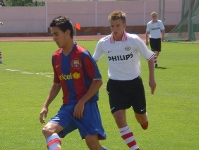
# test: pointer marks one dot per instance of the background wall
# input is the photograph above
(87, 13)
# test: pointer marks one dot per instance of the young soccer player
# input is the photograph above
(124, 87)
(76, 73)
(155, 28)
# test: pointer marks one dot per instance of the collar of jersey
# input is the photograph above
(124, 37)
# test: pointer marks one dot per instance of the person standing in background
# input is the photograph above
(155, 34)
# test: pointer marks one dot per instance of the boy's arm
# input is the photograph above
(147, 38)
(98, 53)
(93, 89)
(152, 82)
(163, 31)
(51, 96)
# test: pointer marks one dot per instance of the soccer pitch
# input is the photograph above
(25, 80)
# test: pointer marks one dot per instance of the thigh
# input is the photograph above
(64, 118)
(158, 45)
(152, 44)
(118, 99)
(155, 44)
(91, 123)
(138, 98)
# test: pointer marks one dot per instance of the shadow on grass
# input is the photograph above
(160, 68)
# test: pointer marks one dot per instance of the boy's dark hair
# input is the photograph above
(63, 23)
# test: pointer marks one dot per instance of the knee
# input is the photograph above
(142, 118)
(47, 131)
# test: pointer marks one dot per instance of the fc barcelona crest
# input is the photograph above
(76, 63)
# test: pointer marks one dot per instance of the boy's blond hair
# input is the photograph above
(116, 15)
(154, 13)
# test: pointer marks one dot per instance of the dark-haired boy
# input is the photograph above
(77, 74)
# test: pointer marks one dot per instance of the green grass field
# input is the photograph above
(26, 77)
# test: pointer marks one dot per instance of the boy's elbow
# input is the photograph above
(100, 83)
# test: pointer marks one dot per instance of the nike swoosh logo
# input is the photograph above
(112, 108)
(57, 66)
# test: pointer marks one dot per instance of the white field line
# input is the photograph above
(46, 74)
(50, 75)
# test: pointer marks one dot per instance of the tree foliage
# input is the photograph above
(23, 3)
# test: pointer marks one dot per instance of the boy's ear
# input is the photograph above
(67, 32)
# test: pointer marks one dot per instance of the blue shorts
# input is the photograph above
(90, 124)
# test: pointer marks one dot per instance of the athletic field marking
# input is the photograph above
(46, 74)
(184, 97)
(50, 75)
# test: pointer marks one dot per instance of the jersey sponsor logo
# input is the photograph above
(158, 28)
(127, 48)
(75, 75)
(120, 57)
(76, 63)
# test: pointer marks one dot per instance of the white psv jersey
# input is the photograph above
(123, 56)
(155, 29)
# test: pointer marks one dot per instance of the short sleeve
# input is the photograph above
(91, 68)
(142, 49)
(99, 53)
(162, 26)
(56, 78)
(147, 28)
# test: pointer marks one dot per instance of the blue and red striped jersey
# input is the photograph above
(75, 72)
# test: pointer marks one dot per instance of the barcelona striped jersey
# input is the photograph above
(75, 72)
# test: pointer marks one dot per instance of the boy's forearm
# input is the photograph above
(147, 37)
(94, 88)
(52, 94)
(151, 69)
(163, 35)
